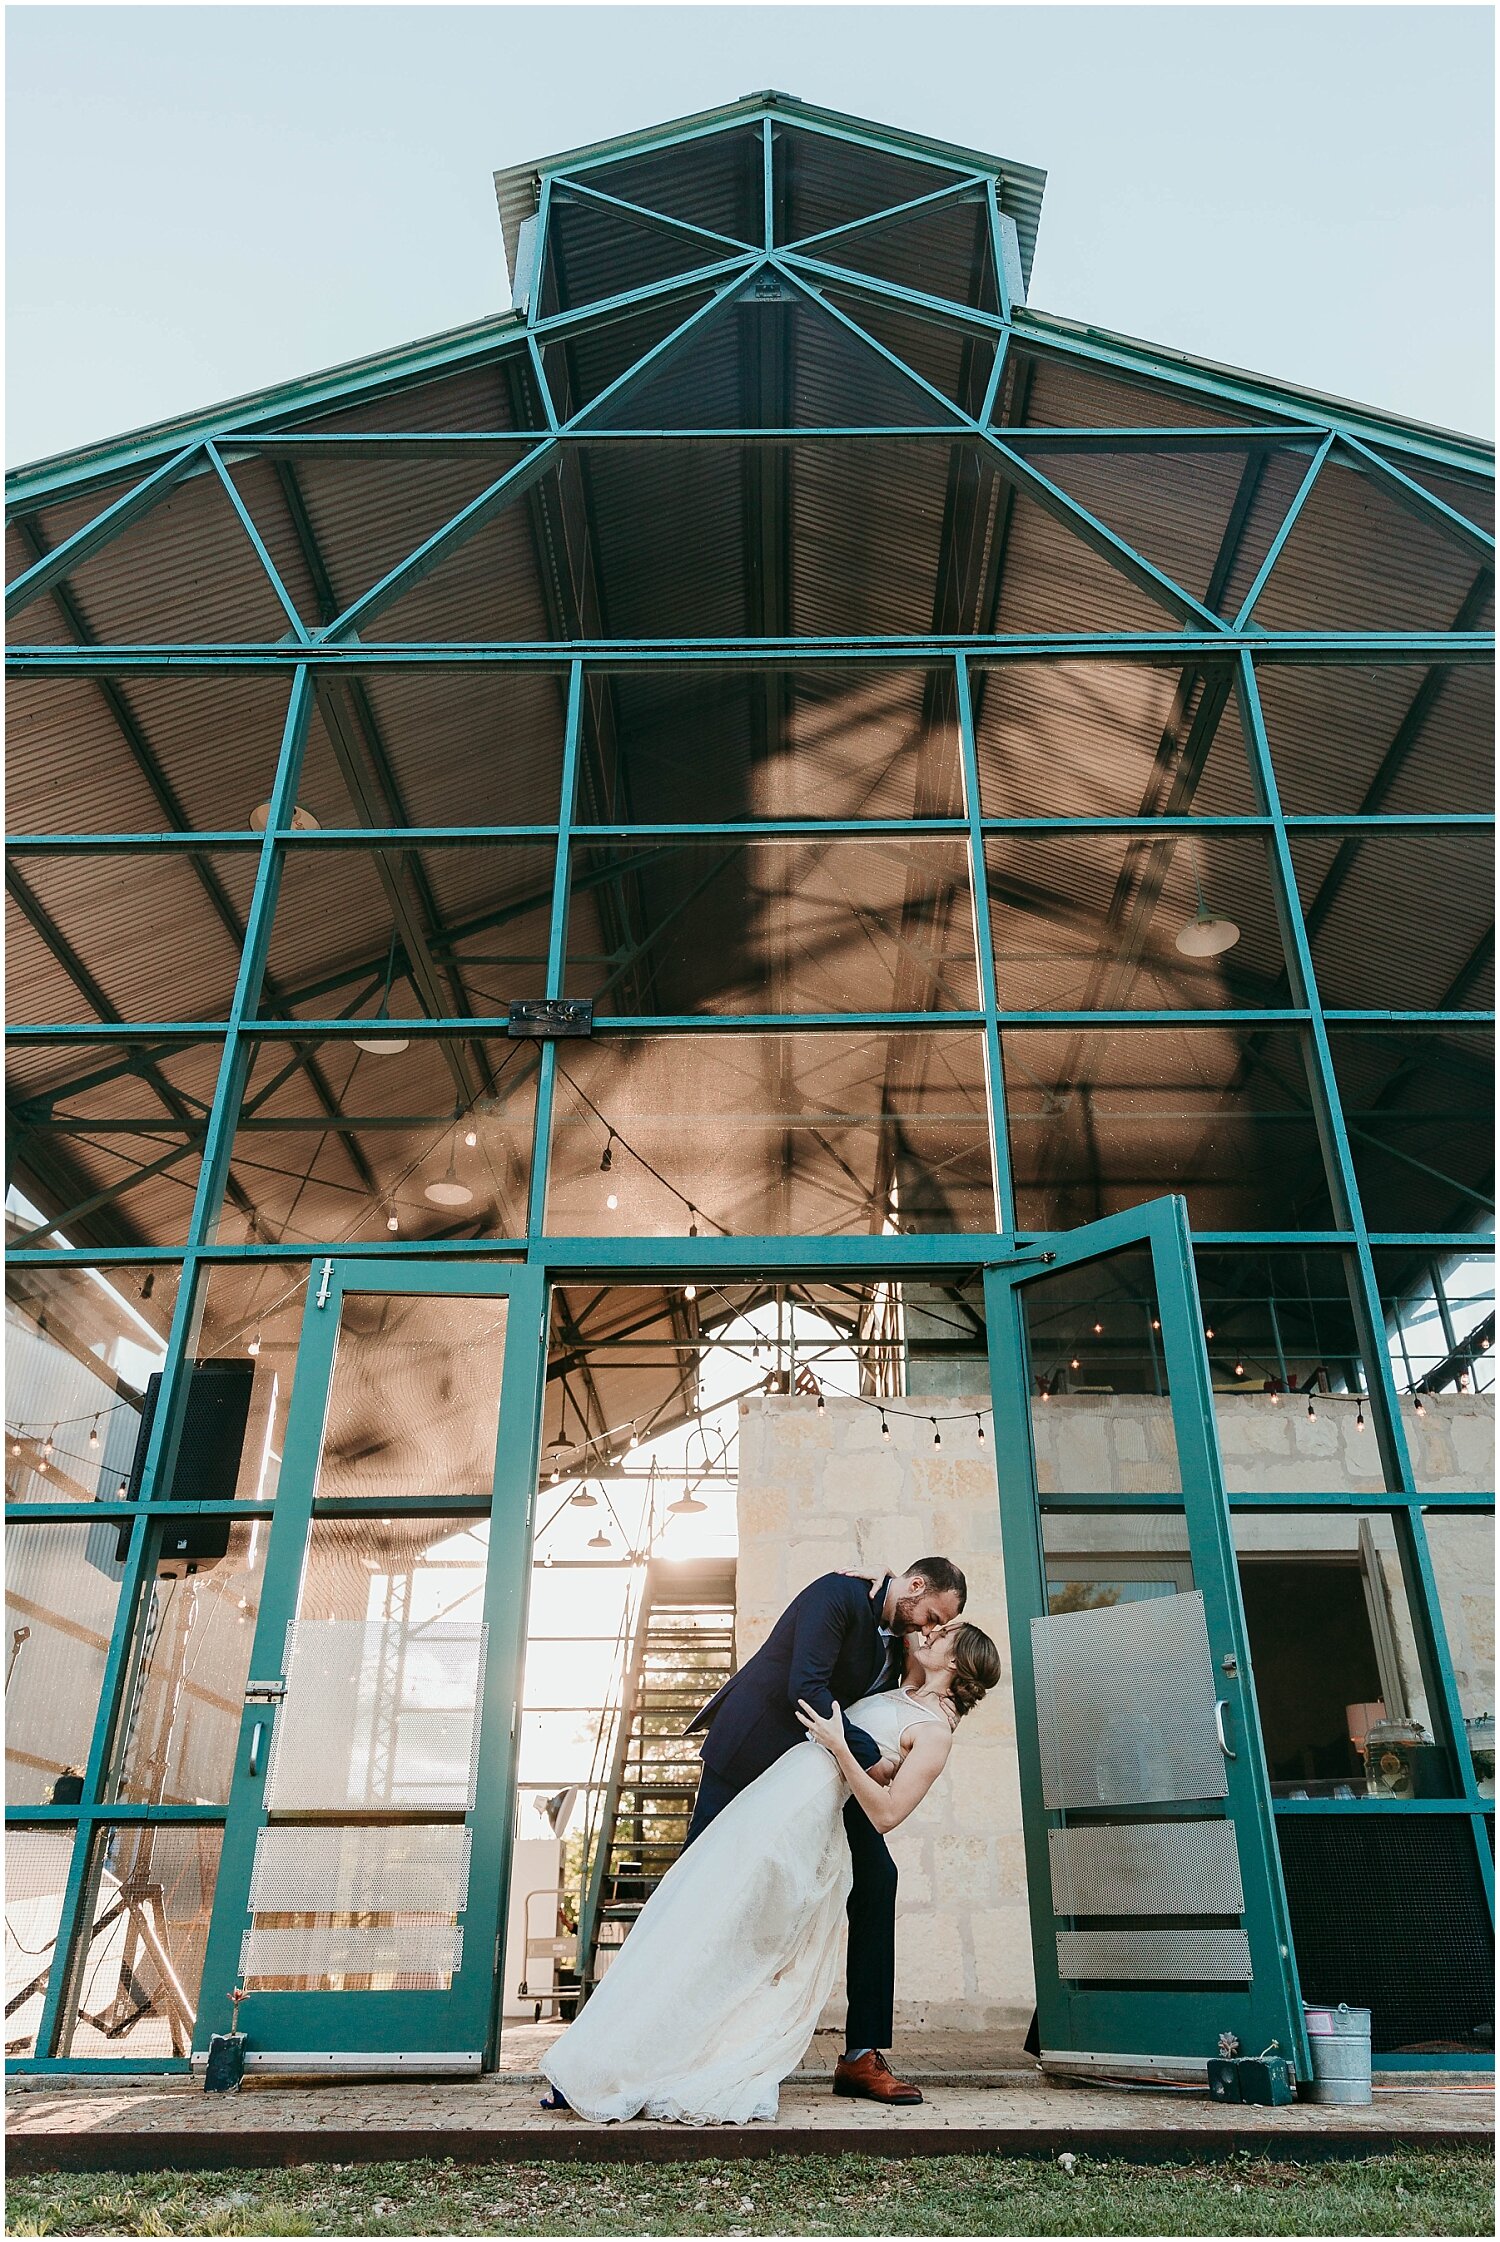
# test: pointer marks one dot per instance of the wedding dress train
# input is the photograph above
(717, 1990)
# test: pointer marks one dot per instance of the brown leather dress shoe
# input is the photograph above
(870, 2079)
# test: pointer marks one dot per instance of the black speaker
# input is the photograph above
(208, 1455)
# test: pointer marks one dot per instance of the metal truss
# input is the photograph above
(1222, 657)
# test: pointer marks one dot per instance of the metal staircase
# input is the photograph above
(682, 1652)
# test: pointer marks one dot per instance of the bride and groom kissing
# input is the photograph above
(823, 1742)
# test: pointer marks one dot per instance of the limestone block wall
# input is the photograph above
(820, 1492)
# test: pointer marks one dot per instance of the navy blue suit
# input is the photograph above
(825, 1647)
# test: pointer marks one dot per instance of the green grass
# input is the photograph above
(1447, 2192)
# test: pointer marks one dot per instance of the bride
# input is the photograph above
(717, 1990)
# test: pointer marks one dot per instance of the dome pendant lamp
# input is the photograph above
(1205, 935)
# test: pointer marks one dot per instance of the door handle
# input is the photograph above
(257, 1735)
(1221, 1707)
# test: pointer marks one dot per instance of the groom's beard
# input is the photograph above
(904, 1619)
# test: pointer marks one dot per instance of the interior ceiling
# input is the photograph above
(669, 535)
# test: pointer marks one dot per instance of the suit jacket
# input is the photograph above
(826, 1646)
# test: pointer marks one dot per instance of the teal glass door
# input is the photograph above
(367, 1846)
(1158, 1916)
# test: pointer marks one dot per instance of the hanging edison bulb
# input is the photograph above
(94, 1434)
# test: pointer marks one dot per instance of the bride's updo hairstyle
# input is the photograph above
(976, 1669)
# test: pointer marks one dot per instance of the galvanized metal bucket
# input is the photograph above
(1340, 2042)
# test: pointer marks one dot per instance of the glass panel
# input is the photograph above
(1352, 739)
(594, 251)
(62, 1583)
(135, 1978)
(106, 1138)
(1343, 1708)
(67, 758)
(337, 950)
(792, 1134)
(944, 250)
(714, 182)
(1104, 1119)
(823, 926)
(1108, 739)
(1357, 559)
(414, 1406)
(1419, 1108)
(125, 937)
(822, 182)
(1400, 921)
(249, 1322)
(1204, 514)
(1290, 1381)
(1439, 1316)
(1099, 921)
(181, 1732)
(385, 1666)
(1463, 1558)
(1096, 1559)
(1101, 1414)
(1125, 1703)
(336, 1142)
(812, 741)
(81, 1348)
(36, 1872)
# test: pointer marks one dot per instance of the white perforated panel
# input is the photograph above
(377, 1713)
(358, 1871)
(1146, 1868)
(310, 1955)
(1161, 1957)
(1125, 1704)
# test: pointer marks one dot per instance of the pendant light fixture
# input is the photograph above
(686, 1501)
(600, 1540)
(583, 1500)
(384, 1046)
(1205, 935)
(303, 820)
(449, 1190)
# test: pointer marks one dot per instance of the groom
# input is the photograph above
(837, 1641)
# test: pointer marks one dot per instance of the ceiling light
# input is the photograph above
(448, 1191)
(1205, 936)
(685, 1503)
(384, 1046)
(303, 820)
(583, 1500)
(599, 1540)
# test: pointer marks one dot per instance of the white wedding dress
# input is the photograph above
(718, 1988)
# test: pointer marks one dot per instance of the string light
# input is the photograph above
(822, 1404)
(254, 1346)
(937, 1438)
(885, 1430)
(94, 1434)
(1421, 1405)
(1239, 1370)
(1312, 1414)
(607, 1157)
(612, 1201)
(471, 1138)
(121, 1491)
(1075, 1364)
(47, 1448)
(1359, 1416)
(692, 1220)
(1098, 1331)
(393, 1220)
(690, 1292)
(1156, 1323)
(979, 1423)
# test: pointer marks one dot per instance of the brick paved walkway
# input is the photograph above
(111, 2125)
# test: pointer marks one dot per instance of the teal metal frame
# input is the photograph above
(1142, 2021)
(131, 476)
(464, 2019)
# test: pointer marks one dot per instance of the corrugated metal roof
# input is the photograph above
(1020, 185)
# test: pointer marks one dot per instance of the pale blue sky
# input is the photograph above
(205, 200)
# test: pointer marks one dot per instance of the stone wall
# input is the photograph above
(820, 1492)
